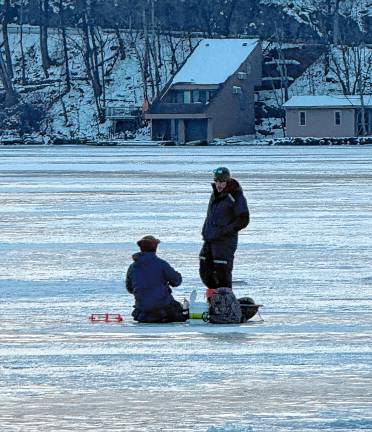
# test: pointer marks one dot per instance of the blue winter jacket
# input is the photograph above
(227, 213)
(149, 278)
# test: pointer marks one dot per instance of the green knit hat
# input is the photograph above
(221, 174)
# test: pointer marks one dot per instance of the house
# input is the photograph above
(328, 116)
(211, 95)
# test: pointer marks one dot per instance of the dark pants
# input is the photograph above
(170, 313)
(216, 263)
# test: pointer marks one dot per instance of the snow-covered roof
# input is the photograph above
(327, 101)
(214, 60)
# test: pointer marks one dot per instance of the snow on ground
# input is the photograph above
(123, 85)
(302, 10)
(69, 220)
(315, 81)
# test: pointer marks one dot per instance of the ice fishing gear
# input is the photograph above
(249, 308)
(106, 317)
(224, 307)
(197, 310)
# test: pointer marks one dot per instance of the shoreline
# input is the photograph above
(10, 141)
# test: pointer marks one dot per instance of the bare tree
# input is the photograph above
(363, 77)
(23, 57)
(143, 57)
(228, 8)
(121, 44)
(352, 67)
(155, 52)
(90, 55)
(61, 6)
(105, 65)
(336, 22)
(173, 43)
(5, 16)
(11, 96)
(44, 23)
(350, 64)
(281, 84)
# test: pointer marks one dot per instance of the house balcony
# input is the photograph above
(177, 108)
(122, 112)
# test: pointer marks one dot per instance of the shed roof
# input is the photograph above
(324, 101)
(214, 60)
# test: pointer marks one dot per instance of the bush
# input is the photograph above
(23, 118)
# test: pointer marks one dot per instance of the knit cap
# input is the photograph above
(221, 174)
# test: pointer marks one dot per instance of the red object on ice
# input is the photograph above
(106, 317)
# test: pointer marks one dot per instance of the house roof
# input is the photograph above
(214, 60)
(327, 101)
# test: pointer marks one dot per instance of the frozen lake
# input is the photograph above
(69, 219)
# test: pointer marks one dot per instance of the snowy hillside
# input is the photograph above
(52, 109)
(304, 10)
(334, 71)
(73, 114)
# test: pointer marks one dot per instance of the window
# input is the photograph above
(302, 118)
(187, 96)
(337, 118)
(202, 96)
(179, 97)
(195, 96)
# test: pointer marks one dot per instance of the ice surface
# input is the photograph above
(69, 217)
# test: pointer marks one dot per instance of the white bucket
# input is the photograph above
(197, 310)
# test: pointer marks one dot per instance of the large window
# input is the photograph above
(192, 96)
(200, 96)
(338, 118)
(302, 118)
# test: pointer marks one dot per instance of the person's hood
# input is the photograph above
(143, 257)
(231, 186)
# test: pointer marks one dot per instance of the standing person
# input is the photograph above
(227, 214)
(149, 279)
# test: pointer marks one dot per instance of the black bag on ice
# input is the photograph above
(224, 307)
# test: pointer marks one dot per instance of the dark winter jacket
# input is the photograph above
(149, 278)
(227, 213)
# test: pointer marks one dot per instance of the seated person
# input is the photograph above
(149, 279)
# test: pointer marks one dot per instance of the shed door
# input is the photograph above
(196, 130)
